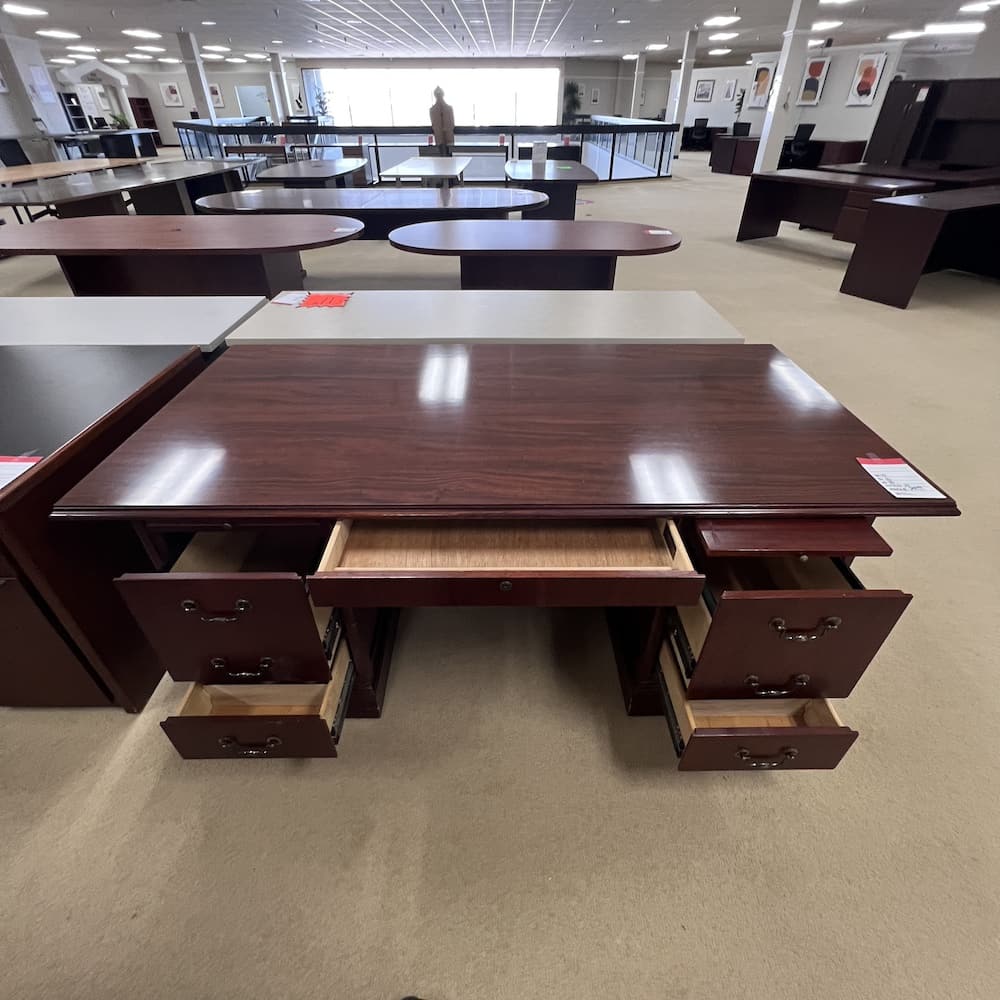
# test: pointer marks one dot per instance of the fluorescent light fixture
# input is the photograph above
(20, 10)
(656, 46)
(216, 48)
(825, 25)
(209, 24)
(624, 20)
(82, 48)
(150, 48)
(62, 61)
(597, 41)
(954, 28)
(631, 56)
(719, 52)
(57, 33)
(139, 56)
(256, 55)
(834, 3)
(141, 33)
(81, 56)
(720, 21)
(723, 36)
(235, 59)
(168, 59)
(902, 36)
(975, 8)
(209, 56)
(814, 42)
(117, 60)
(277, 41)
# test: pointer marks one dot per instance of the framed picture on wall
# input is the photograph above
(760, 86)
(867, 77)
(729, 91)
(704, 89)
(813, 79)
(218, 101)
(171, 94)
(595, 96)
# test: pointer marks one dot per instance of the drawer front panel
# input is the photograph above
(791, 749)
(225, 628)
(256, 736)
(537, 588)
(791, 644)
(831, 536)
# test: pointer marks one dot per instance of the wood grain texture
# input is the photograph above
(553, 171)
(883, 185)
(941, 179)
(318, 170)
(844, 536)
(60, 168)
(374, 431)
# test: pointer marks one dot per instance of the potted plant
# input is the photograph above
(571, 100)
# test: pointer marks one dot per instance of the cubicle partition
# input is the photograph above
(632, 150)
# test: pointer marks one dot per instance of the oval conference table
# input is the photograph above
(180, 254)
(556, 178)
(547, 254)
(381, 209)
(314, 173)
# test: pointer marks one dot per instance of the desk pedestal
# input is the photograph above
(539, 271)
(561, 195)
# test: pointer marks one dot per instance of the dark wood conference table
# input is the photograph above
(180, 255)
(676, 486)
(28, 172)
(164, 187)
(547, 254)
(381, 209)
(816, 199)
(910, 236)
(314, 173)
(556, 178)
(942, 179)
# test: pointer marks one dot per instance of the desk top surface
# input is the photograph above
(373, 199)
(955, 200)
(603, 430)
(60, 168)
(509, 317)
(956, 178)
(475, 237)
(78, 186)
(848, 182)
(190, 321)
(180, 234)
(549, 170)
(319, 169)
(49, 395)
(430, 166)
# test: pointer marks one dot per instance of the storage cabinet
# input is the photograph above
(142, 111)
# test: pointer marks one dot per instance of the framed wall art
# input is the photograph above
(867, 77)
(813, 80)
(218, 101)
(704, 89)
(171, 94)
(729, 91)
(760, 87)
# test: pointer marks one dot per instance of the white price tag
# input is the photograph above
(900, 479)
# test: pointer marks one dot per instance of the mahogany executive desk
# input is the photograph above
(679, 487)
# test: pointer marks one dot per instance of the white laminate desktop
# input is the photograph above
(510, 317)
(199, 321)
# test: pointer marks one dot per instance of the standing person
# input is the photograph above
(442, 123)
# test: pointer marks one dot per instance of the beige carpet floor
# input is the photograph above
(505, 831)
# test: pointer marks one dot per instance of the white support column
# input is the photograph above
(683, 94)
(640, 71)
(277, 89)
(985, 58)
(196, 75)
(791, 66)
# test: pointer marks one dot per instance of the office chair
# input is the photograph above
(797, 148)
(699, 137)
(741, 128)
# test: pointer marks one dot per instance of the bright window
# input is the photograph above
(372, 98)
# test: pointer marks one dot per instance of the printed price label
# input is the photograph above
(900, 479)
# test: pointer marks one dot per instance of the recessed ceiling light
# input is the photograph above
(954, 28)
(825, 25)
(720, 22)
(139, 56)
(624, 20)
(117, 60)
(19, 10)
(656, 46)
(209, 24)
(256, 55)
(834, 3)
(975, 8)
(56, 33)
(235, 59)
(597, 41)
(216, 48)
(631, 56)
(813, 42)
(719, 52)
(62, 61)
(82, 48)
(167, 59)
(209, 56)
(277, 41)
(723, 36)
(141, 33)
(150, 48)
(902, 36)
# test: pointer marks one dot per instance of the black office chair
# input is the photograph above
(797, 149)
(12, 154)
(741, 128)
(699, 137)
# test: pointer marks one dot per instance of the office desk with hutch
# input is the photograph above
(709, 497)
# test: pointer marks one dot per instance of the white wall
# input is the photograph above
(927, 66)
(832, 117)
(591, 74)
(21, 56)
(718, 111)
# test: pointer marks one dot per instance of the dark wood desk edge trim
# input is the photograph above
(536, 251)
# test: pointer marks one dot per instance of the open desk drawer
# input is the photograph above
(790, 734)
(264, 720)
(423, 563)
(780, 628)
(220, 616)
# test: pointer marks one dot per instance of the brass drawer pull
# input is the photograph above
(786, 754)
(249, 749)
(245, 675)
(820, 629)
(241, 607)
(796, 681)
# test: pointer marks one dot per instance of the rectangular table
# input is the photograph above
(942, 179)
(816, 199)
(314, 173)
(180, 255)
(676, 486)
(58, 168)
(525, 317)
(547, 254)
(910, 236)
(429, 169)
(556, 178)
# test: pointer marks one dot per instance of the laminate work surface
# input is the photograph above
(77, 187)
(476, 238)
(195, 321)
(60, 168)
(493, 316)
(886, 182)
(372, 200)
(320, 170)
(550, 170)
(956, 200)
(177, 234)
(974, 177)
(429, 167)
(488, 430)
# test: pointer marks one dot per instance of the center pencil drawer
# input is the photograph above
(424, 563)
(217, 617)
(778, 628)
(264, 720)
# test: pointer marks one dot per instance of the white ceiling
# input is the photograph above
(324, 29)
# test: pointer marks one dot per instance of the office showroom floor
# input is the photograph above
(529, 840)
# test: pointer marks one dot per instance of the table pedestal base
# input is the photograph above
(562, 199)
(636, 637)
(370, 634)
(539, 271)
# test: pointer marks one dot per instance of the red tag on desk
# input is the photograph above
(327, 301)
